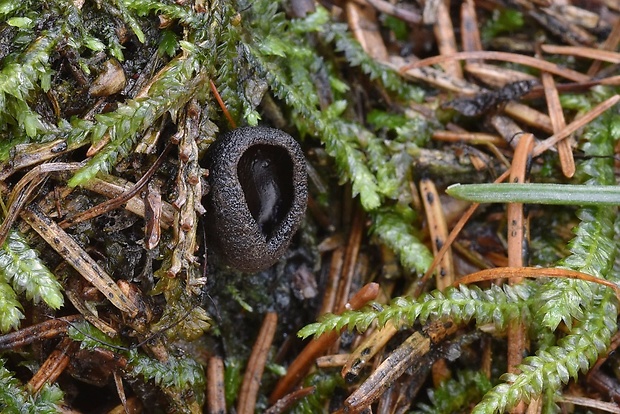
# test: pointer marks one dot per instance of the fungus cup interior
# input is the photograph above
(266, 176)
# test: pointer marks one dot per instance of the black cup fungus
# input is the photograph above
(257, 198)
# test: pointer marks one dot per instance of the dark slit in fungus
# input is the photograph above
(265, 173)
(257, 197)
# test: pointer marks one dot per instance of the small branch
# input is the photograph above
(610, 44)
(367, 350)
(112, 187)
(590, 403)
(24, 188)
(472, 138)
(395, 365)
(446, 41)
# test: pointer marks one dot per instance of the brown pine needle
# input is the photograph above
(575, 125)
(503, 56)
(438, 231)
(517, 230)
(585, 52)
(216, 393)
(286, 402)
(533, 272)
(453, 234)
(557, 120)
(256, 365)
(222, 105)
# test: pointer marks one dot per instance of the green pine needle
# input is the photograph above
(556, 194)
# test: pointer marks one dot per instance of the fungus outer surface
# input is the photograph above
(257, 198)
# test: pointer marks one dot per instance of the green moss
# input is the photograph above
(15, 399)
